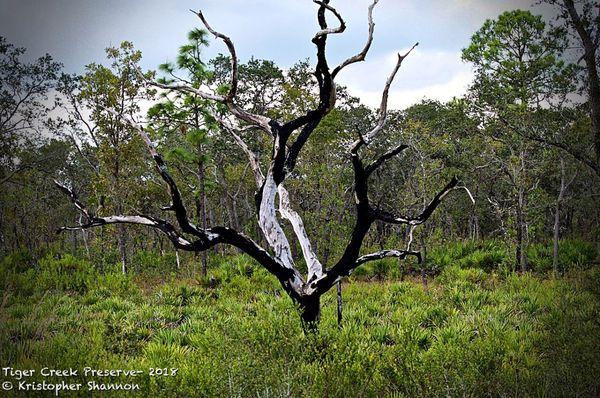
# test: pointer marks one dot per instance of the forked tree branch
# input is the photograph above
(168, 229)
(361, 56)
(234, 60)
(424, 215)
(315, 268)
(328, 31)
(385, 157)
(384, 98)
(289, 277)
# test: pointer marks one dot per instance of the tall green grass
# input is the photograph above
(471, 333)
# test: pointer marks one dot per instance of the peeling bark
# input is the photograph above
(315, 268)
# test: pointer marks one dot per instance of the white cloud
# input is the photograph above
(437, 75)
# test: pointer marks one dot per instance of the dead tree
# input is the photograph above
(288, 138)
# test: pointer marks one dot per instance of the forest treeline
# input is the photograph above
(524, 144)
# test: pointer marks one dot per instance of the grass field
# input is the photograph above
(470, 333)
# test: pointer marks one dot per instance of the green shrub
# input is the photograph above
(539, 256)
(572, 254)
(487, 255)
(487, 260)
(577, 254)
(378, 269)
(150, 262)
(18, 261)
(113, 282)
(66, 273)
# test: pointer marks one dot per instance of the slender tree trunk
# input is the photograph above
(555, 263)
(202, 183)
(474, 221)
(423, 244)
(339, 303)
(561, 194)
(84, 236)
(229, 208)
(327, 245)
(120, 207)
(121, 241)
(522, 232)
(520, 249)
(3, 241)
(74, 241)
(122, 248)
(234, 212)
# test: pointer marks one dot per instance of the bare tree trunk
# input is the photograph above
(74, 241)
(474, 221)
(84, 235)
(522, 232)
(521, 256)
(423, 262)
(121, 240)
(122, 248)
(561, 194)
(555, 264)
(202, 177)
(339, 303)
(234, 212)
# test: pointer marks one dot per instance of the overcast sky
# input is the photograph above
(76, 32)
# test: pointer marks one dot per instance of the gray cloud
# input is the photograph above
(77, 31)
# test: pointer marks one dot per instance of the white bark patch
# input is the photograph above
(315, 268)
(269, 225)
(128, 220)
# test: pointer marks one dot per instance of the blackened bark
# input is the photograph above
(310, 313)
